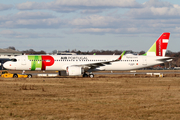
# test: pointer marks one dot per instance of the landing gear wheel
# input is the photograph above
(29, 76)
(15, 76)
(91, 75)
(85, 75)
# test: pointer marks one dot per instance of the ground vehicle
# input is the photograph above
(6, 74)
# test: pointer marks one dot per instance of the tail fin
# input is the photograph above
(160, 46)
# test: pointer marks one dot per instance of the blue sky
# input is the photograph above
(87, 25)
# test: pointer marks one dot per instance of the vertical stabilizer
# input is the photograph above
(160, 46)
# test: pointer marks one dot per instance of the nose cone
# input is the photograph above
(7, 65)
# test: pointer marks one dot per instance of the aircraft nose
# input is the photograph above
(7, 65)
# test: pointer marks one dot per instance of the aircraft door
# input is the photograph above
(144, 61)
(23, 60)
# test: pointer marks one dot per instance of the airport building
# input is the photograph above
(64, 53)
(6, 55)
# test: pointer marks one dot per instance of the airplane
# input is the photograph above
(75, 65)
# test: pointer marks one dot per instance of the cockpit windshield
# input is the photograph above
(14, 60)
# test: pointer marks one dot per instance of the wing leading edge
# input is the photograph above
(94, 65)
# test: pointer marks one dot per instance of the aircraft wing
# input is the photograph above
(94, 65)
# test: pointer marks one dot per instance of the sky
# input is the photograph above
(88, 25)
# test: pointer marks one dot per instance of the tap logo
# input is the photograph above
(40, 62)
(161, 45)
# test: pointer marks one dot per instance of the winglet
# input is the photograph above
(121, 56)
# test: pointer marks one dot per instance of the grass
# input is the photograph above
(103, 97)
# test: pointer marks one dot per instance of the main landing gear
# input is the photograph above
(90, 75)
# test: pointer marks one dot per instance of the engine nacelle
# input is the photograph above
(74, 71)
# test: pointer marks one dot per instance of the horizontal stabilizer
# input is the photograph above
(166, 59)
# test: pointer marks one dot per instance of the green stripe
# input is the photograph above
(36, 62)
(152, 49)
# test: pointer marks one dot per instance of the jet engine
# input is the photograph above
(73, 70)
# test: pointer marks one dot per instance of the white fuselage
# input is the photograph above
(60, 62)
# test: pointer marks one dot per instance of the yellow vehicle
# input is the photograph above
(6, 74)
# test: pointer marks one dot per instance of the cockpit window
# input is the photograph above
(14, 60)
